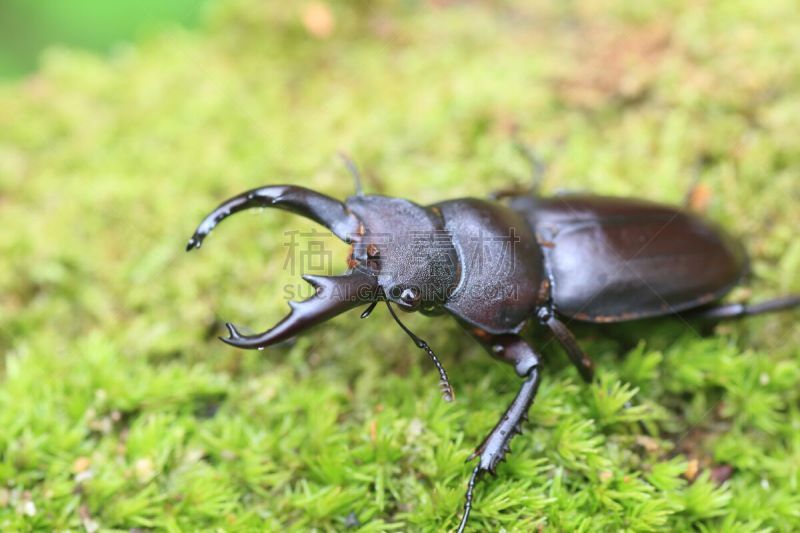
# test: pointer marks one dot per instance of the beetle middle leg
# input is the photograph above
(564, 336)
(492, 450)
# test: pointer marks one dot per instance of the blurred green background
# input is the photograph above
(119, 408)
(27, 28)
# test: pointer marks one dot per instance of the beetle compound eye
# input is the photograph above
(410, 296)
(406, 297)
(395, 292)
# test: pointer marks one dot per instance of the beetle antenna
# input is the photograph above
(353, 169)
(447, 390)
(538, 165)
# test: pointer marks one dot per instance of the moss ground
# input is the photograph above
(118, 407)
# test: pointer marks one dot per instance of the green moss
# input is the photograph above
(119, 409)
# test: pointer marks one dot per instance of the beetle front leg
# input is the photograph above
(493, 448)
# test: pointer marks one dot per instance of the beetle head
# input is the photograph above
(406, 248)
(400, 253)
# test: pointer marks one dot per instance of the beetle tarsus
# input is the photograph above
(476, 474)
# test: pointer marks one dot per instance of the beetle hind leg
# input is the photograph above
(730, 311)
(564, 336)
(493, 449)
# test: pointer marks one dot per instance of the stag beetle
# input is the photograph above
(497, 264)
